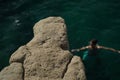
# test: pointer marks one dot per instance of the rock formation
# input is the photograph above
(46, 56)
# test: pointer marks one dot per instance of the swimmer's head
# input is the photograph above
(93, 42)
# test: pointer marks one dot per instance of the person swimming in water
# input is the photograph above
(91, 58)
(93, 47)
(92, 51)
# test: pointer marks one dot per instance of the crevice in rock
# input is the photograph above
(28, 51)
(64, 46)
(23, 75)
(65, 70)
(44, 41)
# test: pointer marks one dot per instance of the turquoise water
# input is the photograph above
(85, 19)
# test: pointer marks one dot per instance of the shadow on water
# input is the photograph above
(105, 66)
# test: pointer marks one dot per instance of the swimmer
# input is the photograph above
(93, 47)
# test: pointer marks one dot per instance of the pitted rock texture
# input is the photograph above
(46, 56)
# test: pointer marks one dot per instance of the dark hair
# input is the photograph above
(94, 41)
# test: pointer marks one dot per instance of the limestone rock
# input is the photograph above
(75, 69)
(12, 72)
(46, 56)
(19, 55)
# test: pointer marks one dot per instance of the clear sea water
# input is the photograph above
(85, 19)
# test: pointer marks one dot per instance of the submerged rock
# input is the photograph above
(46, 56)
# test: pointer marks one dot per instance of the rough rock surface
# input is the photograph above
(12, 72)
(46, 56)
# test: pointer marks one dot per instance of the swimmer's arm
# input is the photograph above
(77, 50)
(83, 48)
(110, 49)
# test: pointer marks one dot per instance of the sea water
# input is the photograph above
(85, 19)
